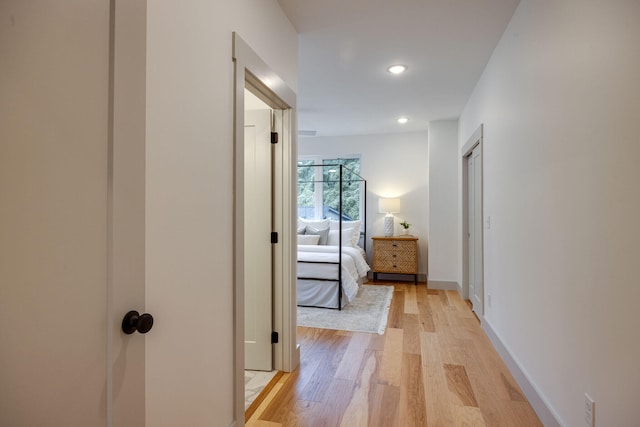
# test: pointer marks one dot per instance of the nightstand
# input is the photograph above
(396, 254)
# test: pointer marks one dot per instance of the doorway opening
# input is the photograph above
(472, 223)
(258, 273)
(276, 231)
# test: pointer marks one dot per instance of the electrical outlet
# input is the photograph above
(589, 411)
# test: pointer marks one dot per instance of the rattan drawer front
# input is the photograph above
(395, 256)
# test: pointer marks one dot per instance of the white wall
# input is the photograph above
(189, 206)
(394, 165)
(443, 200)
(560, 103)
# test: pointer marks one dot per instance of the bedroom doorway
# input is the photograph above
(473, 233)
(252, 73)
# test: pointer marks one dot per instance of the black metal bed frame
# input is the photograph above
(363, 234)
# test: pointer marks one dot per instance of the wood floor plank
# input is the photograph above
(259, 401)
(336, 402)
(440, 318)
(385, 406)
(438, 407)
(512, 389)
(390, 372)
(411, 300)
(376, 342)
(412, 404)
(411, 334)
(466, 416)
(328, 360)
(491, 395)
(452, 349)
(347, 369)
(396, 311)
(278, 408)
(524, 414)
(258, 413)
(459, 385)
(444, 299)
(357, 412)
(424, 314)
(260, 423)
(433, 367)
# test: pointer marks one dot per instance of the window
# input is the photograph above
(319, 188)
(306, 189)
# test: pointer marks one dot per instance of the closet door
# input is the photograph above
(476, 288)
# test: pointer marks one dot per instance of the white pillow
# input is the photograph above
(315, 223)
(334, 236)
(308, 239)
(323, 233)
(335, 225)
(354, 226)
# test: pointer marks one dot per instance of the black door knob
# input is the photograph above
(134, 321)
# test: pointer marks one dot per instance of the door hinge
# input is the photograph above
(274, 137)
(274, 237)
(274, 337)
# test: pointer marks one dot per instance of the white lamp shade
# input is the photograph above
(388, 205)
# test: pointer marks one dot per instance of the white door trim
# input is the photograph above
(474, 141)
(251, 70)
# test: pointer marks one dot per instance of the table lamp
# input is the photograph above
(389, 207)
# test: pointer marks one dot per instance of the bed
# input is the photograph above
(331, 258)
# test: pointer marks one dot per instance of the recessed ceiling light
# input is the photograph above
(397, 69)
(402, 120)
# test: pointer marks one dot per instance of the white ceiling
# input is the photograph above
(345, 47)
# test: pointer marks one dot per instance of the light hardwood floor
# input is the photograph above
(434, 366)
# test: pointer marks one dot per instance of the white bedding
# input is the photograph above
(320, 262)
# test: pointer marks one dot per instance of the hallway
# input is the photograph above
(434, 366)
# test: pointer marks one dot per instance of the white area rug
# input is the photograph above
(368, 312)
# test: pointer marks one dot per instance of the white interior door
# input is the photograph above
(257, 241)
(474, 186)
(71, 250)
(53, 212)
(127, 254)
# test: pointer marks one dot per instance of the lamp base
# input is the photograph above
(388, 226)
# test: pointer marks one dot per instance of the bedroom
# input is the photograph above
(394, 165)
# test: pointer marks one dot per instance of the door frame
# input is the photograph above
(476, 140)
(250, 70)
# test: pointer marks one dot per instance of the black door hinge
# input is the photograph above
(274, 137)
(274, 337)
(274, 237)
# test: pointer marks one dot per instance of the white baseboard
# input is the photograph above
(443, 285)
(547, 416)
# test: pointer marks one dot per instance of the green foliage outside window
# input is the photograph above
(306, 184)
(350, 187)
(330, 188)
